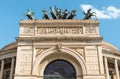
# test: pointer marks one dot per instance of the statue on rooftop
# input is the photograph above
(59, 14)
(72, 14)
(45, 15)
(65, 13)
(30, 14)
(53, 13)
(89, 14)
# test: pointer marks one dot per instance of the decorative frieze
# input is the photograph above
(61, 38)
(28, 30)
(58, 27)
(59, 30)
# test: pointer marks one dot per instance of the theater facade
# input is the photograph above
(59, 49)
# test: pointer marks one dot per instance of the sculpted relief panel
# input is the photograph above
(90, 30)
(60, 30)
(27, 30)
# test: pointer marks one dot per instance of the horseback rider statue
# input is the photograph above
(30, 14)
(72, 14)
(89, 14)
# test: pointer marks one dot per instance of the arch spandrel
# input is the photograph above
(64, 53)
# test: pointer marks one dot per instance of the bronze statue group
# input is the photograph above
(59, 14)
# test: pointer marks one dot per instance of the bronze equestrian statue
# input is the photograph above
(89, 14)
(72, 14)
(30, 14)
(58, 14)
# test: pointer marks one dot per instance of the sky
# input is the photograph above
(107, 12)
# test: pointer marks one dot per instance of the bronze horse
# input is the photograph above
(72, 14)
(30, 14)
(89, 14)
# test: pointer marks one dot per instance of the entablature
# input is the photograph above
(59, 27)
(61, 39)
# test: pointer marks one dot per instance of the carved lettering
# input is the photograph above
(60, 30)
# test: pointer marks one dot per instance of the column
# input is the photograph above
(116, 69)
(2, 69)
(106, 68)
(12, 68)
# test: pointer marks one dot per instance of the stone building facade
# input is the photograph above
(59, 49)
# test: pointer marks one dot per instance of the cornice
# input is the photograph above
(61, 39)
(59, 22)
(110, 51)
(8, 51)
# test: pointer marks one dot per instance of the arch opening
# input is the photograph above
(60, 69)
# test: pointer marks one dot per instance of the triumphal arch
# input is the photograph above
(59, 48)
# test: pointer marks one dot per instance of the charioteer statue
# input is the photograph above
(45, 15)
(65, 13)
(58, 14)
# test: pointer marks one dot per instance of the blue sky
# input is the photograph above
(108, 13)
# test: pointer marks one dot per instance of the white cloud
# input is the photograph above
(110, 12)
(86, 7)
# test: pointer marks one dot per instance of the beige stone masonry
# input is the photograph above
(42, 41)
